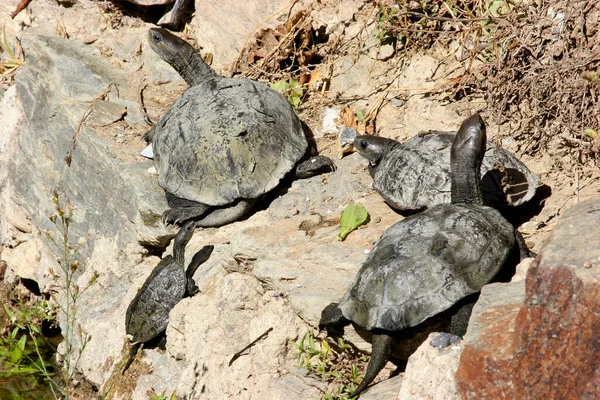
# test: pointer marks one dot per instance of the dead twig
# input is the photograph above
(85, 116)
(239, 353)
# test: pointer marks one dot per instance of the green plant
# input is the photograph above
(10, 60)
(163, 396)
(23, 348)
(292, 89)
(69, 263)
(335, 362)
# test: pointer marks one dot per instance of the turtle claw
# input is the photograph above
(172, 217)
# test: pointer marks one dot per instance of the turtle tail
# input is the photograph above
(381, 349)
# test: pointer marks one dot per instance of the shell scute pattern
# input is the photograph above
(226, 139)
(424, 264)
(148, 314)
(416, 174)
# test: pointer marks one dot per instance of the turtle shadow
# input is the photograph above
(152, 14)
(518, 215)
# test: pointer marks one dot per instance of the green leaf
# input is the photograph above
(353, 216)
(281, 85)
(361, 115)
(15, 355)
(21, 343)
(295, 95)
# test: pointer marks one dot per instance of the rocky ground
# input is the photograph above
(72, 120)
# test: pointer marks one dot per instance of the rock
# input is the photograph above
(118, 205)
(538, 338)
(386, 51)
(208, 329)
(105, 113)
(147, 152)
(16, 217)
(397, 102)
(384, 390)
(225, 40)
(329, 125)
(430, 372)
(24, 259)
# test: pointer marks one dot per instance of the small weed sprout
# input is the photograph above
(10, 60)
(69, 263)
(333, 362)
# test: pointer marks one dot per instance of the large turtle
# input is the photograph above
(429, 262)
(416, 174)
(225, 142)
(148, 313)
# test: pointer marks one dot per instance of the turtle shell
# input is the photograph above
(427, 262)
(226, 139)
(148, 313)
(416, 174)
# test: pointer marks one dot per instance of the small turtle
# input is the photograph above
(416, 174)
(426, 265)
(148, 313)
(225, 142)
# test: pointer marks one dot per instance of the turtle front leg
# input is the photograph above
(182, 210)
(222, 216)
(314, 166)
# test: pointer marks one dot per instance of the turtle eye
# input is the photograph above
(156, 37)
(363, 144)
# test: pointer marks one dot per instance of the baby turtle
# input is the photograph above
(225, 142)
(416, 174)
(428, 262)
(148, 313)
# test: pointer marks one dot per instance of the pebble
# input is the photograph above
(397, 102)
(147, 152)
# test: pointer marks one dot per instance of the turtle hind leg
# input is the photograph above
(314, 166)
(381, 350)
(182, 210)
(225, 215)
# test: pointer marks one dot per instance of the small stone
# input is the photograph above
(148, 153)
(587, 264)
(397, 102)
(105, 113)
(443, 340)
(152, 170)
(347, 136)
(386, 51)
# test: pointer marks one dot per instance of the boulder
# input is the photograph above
(430, 372)
(539, 338)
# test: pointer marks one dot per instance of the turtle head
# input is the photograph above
(470, 141)
(466, 157)
(165, 44)
(180, 55)
(373, 148)
(181, 240)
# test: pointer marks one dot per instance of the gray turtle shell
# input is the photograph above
(148, 313)
(427, 262)
(226, 139)
(416, 174)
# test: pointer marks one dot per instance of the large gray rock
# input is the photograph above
(117, 206)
